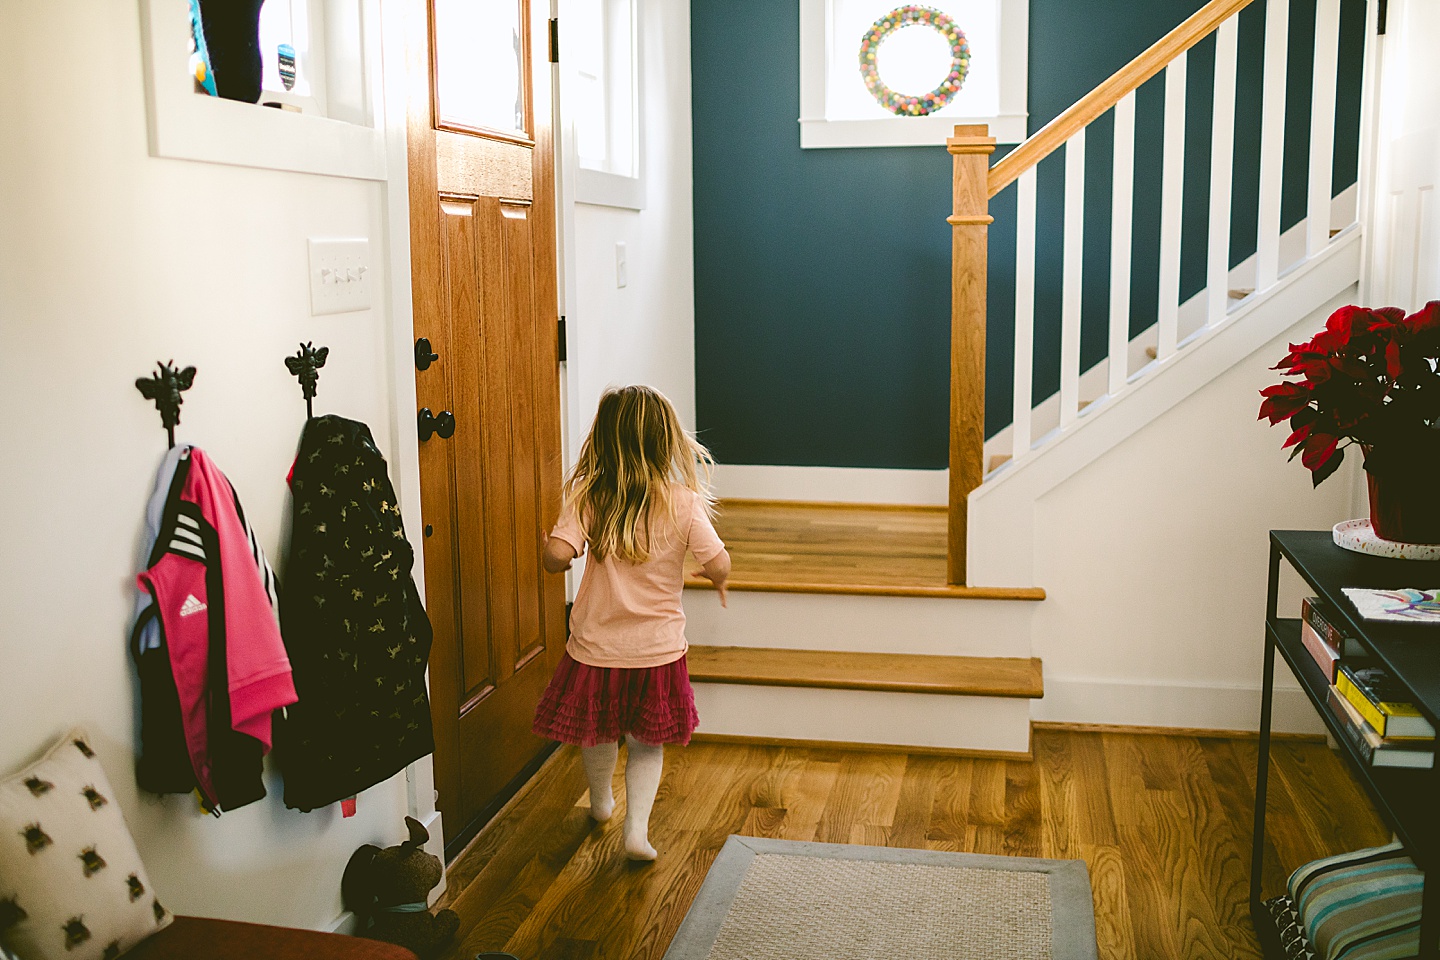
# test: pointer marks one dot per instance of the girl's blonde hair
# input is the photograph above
(635, 451)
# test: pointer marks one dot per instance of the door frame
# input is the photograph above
(420, 794)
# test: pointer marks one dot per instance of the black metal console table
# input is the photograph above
(1408, 799)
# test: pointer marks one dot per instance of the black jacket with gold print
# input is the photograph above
(356, 632)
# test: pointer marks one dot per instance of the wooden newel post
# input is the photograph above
(970, 223)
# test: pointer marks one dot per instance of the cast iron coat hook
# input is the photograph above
(306, 366)
(164, 386)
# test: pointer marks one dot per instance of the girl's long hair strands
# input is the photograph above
(635, 451)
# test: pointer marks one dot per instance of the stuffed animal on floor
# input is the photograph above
(387, 890)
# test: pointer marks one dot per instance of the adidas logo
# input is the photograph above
(191, 606)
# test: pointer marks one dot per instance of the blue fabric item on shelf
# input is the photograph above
(1363, 905)
(200, 68)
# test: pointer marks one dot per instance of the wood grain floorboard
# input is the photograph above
(826, 543)
(1163, 824)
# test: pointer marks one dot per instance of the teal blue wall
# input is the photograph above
(822, 277)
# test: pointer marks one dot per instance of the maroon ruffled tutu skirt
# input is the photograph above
(587, 705)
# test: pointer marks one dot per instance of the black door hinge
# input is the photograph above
(561, 346)
(1380, 17)
(554, 40)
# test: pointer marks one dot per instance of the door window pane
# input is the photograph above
(480, 65)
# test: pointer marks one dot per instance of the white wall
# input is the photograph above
(1153, 560)
(110, 260)
(1402, 266)
(644, 332)
(1405, 265)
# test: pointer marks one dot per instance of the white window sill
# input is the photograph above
(903, 131)
(609, 189)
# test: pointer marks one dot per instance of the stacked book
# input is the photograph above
(1374, 711)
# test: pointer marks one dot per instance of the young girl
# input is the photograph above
(636, 502)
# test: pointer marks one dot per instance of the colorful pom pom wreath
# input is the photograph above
(904, 105)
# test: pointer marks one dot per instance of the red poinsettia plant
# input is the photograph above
(1370, 377)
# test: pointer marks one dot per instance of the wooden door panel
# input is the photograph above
(524, 333)
(495, 390)
(505, 170)
(476, 675)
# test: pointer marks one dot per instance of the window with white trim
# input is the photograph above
(968, 56)
(601, 49)
(329, 53)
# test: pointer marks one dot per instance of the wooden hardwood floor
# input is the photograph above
(841, 548)
(1162, 821)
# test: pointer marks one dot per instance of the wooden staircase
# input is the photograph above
(889, 672)
(1232, 296)
(909, 626)
(842, 630)
(783, 546)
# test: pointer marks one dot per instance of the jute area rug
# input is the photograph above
(785, 900)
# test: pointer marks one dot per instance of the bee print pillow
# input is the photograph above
(71, 881)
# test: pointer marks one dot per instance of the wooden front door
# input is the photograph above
(482, 229)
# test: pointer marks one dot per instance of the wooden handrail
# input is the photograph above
(1044, 142)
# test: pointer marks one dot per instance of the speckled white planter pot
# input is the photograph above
(1359, 536)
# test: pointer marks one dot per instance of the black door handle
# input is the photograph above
(424, 356)
(430, 424)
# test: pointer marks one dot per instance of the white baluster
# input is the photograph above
(1365, 175)
(1024, 312)
(1070, 290)
(1272, 143)
(1222, 159)
(1172, 186)
(1122, 205)
(1322, 126)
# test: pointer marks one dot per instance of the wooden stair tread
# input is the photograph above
(956, 592)
(891, 672)
(781, 546)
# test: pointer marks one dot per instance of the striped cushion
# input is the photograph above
(1360, 906)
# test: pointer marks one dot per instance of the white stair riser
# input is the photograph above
(930, 720)
(861, 624)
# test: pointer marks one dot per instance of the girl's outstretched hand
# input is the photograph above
(555, 554)
(717, 571)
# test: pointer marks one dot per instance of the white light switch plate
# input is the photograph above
(622, 272)
(339, 276)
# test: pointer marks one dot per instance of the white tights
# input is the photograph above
(642, 781)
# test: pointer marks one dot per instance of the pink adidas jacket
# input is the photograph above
(203, 524)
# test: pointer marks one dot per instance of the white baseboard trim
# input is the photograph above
(1162, 704)
(346, 923)
(436, 845)
(739, 481)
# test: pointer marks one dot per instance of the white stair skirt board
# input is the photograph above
(1001, 531)
(938, 721)
(739, 481)
(1157, 703)
(861, 624)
